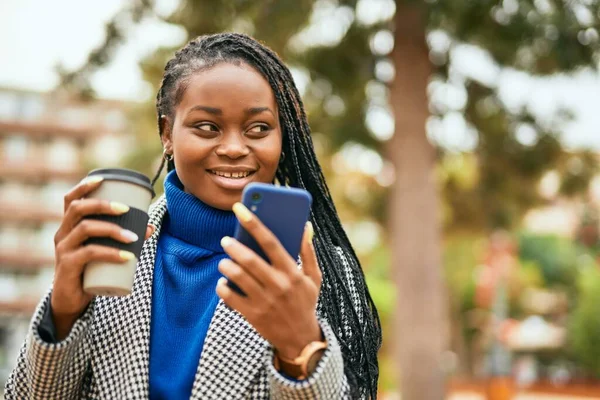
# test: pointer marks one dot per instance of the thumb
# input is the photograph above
(150, 229)
(310, 265)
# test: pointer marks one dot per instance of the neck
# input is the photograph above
(191, 220)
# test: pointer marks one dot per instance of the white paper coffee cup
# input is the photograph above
(135, 190)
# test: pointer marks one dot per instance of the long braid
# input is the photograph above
(356, 326)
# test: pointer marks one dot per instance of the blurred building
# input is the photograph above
(48, 142)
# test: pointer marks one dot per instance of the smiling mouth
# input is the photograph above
(232, 175)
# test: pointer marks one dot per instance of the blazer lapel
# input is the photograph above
(127, 332)
(142, 292)
(231, 358)
(233, 350)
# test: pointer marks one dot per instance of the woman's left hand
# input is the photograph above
(281, 299)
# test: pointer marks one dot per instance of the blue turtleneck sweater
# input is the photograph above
(183, 289)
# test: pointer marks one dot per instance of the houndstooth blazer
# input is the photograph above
(106, 354)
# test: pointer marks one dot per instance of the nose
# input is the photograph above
(233, 146)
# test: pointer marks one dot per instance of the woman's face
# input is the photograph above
(225, 133)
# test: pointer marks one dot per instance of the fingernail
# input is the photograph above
(126, 255)
(92, 180)
(242, 212)
(131, 236)
(221, 281)
(310, 232)
(226, 241)
(119, 207)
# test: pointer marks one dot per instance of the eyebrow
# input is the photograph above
(217, 111)
(258, 110)
(210, 110)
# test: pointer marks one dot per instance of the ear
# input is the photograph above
(166, 133)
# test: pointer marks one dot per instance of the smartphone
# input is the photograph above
(284, 211)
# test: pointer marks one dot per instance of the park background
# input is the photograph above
(459, 138)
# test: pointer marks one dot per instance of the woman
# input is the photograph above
(228, 114)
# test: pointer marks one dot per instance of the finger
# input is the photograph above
(150, 229)
(78, 209)
(73, 264)
(241, 278)
(248, 260)
(231, 298)
(269, 243)
(83, 207)
(310, 265)
(92, 228)
(80, 190)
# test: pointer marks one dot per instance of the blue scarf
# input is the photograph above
(183, 289)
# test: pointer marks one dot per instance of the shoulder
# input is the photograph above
(157, 210)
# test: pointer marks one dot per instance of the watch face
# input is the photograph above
(301, 367)
(313, 361)
(289, 369)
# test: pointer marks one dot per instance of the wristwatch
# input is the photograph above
(299, 367)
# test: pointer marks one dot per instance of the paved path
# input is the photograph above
(475, 396)
(528, 396)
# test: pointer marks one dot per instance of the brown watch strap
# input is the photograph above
(298, 367)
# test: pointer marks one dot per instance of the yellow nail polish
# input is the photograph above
(119, 207)
(310, 232)
(242, 212)
(92, 180)
(126, 255)
(226, 241)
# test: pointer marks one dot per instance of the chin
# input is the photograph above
(223, 200)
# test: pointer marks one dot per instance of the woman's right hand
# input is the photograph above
(68, 299)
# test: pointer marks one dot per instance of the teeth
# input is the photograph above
(234, 175)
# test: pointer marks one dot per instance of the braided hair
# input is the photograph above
(344, 300)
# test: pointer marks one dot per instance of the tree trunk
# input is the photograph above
(415, 227)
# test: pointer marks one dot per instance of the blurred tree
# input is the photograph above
(341, 50)
(584, 323)
(513, 147)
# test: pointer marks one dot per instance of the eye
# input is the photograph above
(259, 129)
(207, 127)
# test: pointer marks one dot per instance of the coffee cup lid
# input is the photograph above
(125, 175)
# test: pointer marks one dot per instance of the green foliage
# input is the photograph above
(584, 323)
(537, 37)
(461, 256)
(577, 171)
(384, 294)
(530, 37)
(381, 286)
(556, 256)
(541, 37)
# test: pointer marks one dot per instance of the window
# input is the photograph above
(9, 238)
(114, 120)
(63, 154)
(8, 287)
(109, 150)
(75, 116)
(16, 193)
(8, 105)
(53, 194)
(15, 148)
(12, 331)
(45, 238)
(31, 107)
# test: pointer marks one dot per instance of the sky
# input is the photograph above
(37, 35)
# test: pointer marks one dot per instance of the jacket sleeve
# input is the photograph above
(51, 370)
(326, 382)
